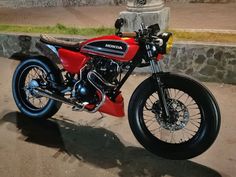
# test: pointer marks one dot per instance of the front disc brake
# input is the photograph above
(179, 115)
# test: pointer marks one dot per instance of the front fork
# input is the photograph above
(162, 93)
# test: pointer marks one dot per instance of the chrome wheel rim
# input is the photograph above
(30, 100)
(185, 114)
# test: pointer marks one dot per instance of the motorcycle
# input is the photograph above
(171, 115)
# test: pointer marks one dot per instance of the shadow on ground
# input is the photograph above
(102, 148)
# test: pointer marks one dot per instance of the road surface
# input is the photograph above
(75, 144)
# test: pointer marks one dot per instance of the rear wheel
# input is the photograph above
(194, 117)
(33, 73)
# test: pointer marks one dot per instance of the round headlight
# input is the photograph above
(167, 38)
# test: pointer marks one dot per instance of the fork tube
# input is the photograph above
(156, 68)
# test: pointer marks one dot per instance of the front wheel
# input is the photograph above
(194, 117)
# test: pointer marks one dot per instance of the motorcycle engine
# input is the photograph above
(106, 70)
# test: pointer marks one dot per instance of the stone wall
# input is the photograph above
(15, 44)
(207, 62)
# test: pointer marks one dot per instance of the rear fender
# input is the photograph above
(49, 51)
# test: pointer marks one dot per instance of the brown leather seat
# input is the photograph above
(57, 42)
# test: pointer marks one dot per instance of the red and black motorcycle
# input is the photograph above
(171, 115)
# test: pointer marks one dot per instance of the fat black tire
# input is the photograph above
(210, 118)
(52, 106)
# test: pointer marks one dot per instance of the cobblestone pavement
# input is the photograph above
(184, 16)
(81, 144)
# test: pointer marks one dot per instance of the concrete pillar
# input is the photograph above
(148, 12)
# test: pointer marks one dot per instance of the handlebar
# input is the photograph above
(128, 34)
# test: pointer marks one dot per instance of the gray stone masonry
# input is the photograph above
(65, 3)
(56, 3)
(207, 62)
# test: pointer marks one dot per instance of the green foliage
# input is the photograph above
(204, 36)
(99, 31)
(57, 29)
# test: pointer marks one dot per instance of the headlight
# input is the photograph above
(167, 42)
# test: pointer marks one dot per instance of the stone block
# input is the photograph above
(210, 52)
(189, 71)
(218, 55)
(212, 62)
(181, 66)
(200, 59)
(228, 55)
(220, 75)
(232, 62)
(230, 77)
(208, 70)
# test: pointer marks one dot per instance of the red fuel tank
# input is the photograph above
(113, 47)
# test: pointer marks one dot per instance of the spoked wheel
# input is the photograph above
(30, 78)
(31, 74)
(194, 118)
(185, 117)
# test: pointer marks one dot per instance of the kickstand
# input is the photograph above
(102, 116)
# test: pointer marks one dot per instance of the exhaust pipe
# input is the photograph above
(55, 97)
